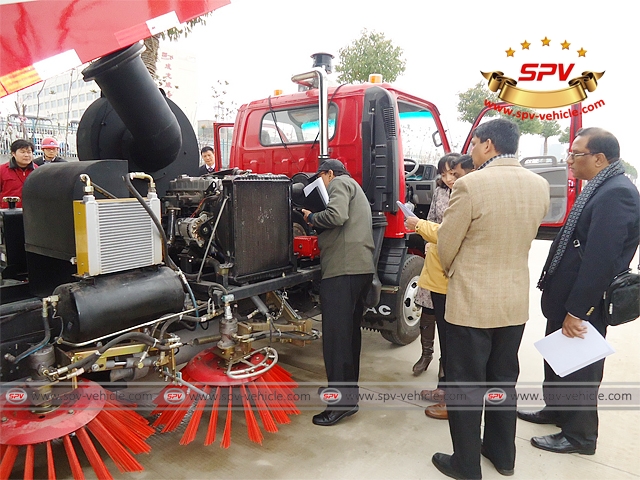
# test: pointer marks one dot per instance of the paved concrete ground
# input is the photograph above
(395, 440)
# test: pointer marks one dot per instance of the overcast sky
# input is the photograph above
(257, 45)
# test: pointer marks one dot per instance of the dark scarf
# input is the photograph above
(553, 260)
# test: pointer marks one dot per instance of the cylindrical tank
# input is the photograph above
(109, 303)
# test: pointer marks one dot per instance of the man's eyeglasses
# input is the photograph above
(577, 155)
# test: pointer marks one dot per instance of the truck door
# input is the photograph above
(222, 141)
(554, 171)
(552, 166)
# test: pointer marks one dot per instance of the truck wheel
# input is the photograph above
(300, 227)
(407, 324)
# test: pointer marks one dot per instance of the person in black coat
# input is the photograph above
(209, 161)
(597, 243)
(50, 149)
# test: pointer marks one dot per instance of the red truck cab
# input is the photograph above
(365, 127)
(377, 131)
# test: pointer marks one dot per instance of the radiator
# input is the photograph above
(115, 235)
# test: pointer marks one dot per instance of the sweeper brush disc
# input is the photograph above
(266, 393)
(84, 415)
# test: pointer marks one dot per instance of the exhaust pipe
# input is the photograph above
(317, 78)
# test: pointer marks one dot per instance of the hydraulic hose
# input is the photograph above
(136, 336)
(35, 348)
(165, 253)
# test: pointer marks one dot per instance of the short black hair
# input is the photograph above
(22, 143)
(465, 161)
(206, 149)
(600, 140)
(504, 135)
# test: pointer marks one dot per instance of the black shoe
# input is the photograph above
(507, 472)
(558, 443)
(442, 462)
(331, 417)
(541, 417)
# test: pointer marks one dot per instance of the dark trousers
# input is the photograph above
(478, 361)
(439, 303)
(342, 310)
(572, 400)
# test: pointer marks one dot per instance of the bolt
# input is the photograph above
(71, 412)
(95, 367)
(4, 419)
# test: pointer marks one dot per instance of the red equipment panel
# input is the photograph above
(306, 246)
(40, 39)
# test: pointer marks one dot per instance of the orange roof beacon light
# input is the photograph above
(375, 78)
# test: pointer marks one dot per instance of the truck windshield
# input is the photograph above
(298, 125)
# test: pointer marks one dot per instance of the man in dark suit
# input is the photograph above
(50, 149)
(209, 161)
(597, 242)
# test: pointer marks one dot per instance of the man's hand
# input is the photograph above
(411, 222)
(573, 327)
(306, 214)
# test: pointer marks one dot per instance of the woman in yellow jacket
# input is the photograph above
(432, 278)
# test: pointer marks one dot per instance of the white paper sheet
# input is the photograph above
(405, 210)
(567, 355)
(319, 184)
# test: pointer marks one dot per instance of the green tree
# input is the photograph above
(371, 53)
(225, 111)
(549, 129)
(472, 101)
(565, 136)
(630, 170)
(532, 125)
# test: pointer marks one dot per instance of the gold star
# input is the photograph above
(582, 52)
(525, 45)
(510, 52)
(545, 42)
(565, 45)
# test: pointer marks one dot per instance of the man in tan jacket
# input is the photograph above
(484, 243)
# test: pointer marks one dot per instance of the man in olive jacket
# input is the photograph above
(346, 260)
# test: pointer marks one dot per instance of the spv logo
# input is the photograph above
(537, 71)
(553, 62)
(495, 396)
(16, 396)
(174, 396)
(330, 395)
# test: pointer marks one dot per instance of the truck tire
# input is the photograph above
(407, 324)
(300, 227)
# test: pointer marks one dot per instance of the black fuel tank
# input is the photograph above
(110, 303)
